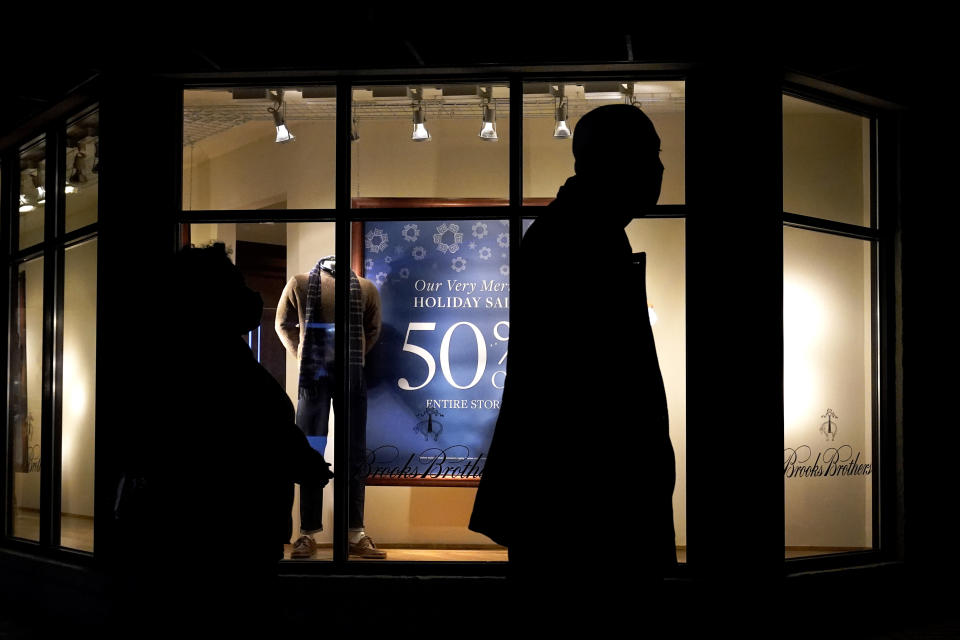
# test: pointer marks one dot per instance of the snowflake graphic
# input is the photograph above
(368, 264)
(404, 273)
(503, 255)
(419, 253)
(440, 238)
(503, 240)
(479, 230)
(381, 277)
(377, 240)
(472, 246)
(485, 253)
(505, 223)
(410, 232)
(458, 264)
(504, 269)
(388, 259)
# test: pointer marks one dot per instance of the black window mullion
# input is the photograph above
(8, 216)
(341, 407)
(49, 429)
(888, 451)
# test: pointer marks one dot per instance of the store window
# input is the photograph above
(448, 142)
(259, 148)
(53, 337)
(826, 162)
(432, 384)
(429, 328)
(551, 112)
(277, 260)
(829, 333)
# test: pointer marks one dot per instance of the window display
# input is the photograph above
(436, 375)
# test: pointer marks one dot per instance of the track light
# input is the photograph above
(561, 130)
(283, 134)
(489, 129)
(28, 190)
(354, 126)
(420, 133)
(40, 181)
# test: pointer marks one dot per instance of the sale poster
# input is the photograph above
(435, 376)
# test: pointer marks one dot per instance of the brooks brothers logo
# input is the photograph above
(454, 461)
(829, 428)
(834, 461)
(429, 427)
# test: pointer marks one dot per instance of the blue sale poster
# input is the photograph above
(435, 376)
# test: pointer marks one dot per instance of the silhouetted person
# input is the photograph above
(583, 396)
(219, 459)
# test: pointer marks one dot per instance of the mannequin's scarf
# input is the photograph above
(316, 359)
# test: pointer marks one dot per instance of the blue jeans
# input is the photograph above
(313, 418)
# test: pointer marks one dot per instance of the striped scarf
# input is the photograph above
(317, 357)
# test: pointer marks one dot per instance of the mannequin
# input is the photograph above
(305, 321)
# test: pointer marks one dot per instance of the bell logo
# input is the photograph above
(829, 428)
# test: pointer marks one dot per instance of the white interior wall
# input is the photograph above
(79, 378)
(827, 319)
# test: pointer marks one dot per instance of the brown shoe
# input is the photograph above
(366, 549)
(304, 547)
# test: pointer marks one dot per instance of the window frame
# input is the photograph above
(56, 241)
(886, 363)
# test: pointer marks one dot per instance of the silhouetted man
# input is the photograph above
(583, 391)
(220, 455)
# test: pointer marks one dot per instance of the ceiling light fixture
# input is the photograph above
(561, 130)
(488, 131)
(354, 125)
(420, 133)
(279, 119)
(28, 190)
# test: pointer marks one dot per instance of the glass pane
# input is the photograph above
(426, 145)
(33, 196)
(663, 242)
(826, 162)
(79, 395)
(276, 261)
(259, 148)
(82, 172)
(551, 112)
(828, 393)
(435, 329)
(26, 349)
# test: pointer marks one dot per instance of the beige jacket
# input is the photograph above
(291, 322)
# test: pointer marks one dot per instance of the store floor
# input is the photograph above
(76, 532)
